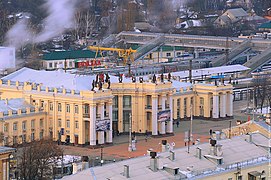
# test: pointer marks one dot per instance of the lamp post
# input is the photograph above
(130, 133)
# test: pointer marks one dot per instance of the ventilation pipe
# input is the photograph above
(172, 155)
(198, 152)
(126, 171)
(164, 145)
(153, 162)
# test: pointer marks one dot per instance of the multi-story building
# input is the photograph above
(80, 113)
(21, 122)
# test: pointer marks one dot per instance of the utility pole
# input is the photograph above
(230, 130)
(130, 134)
(227, 50)
(190, 70)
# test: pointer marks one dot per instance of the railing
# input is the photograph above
(86, 116)
(230, 167)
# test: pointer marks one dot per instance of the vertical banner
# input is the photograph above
(163, 116)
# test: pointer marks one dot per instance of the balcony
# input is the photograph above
(148, 107)
(86, 116)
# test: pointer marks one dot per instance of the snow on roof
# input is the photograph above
(57, 79)
(237, 12)
(13, 104)
(235, 151)
(210, 71)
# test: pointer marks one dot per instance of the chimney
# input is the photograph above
(74, 168)
(250, 138)
(126, 171)
(172, 155)
(6, 101)
(218, 150)
(198, 152)
(164, 145)
(212, 148)
(153, 161)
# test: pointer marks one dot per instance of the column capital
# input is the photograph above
(154, 96)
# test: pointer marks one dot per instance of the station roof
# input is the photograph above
(73, 54)
(236, 152)
(211, 71)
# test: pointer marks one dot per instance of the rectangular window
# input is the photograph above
(24, 126)
(42, 103)
(86, 109)
(59, 122)
(41, 135)
(115, 102)
(24, 138)
(76, 124)
(6, 128)
(168, 54)
(68, 123)
(126, 101)
(15, 126)
(51, 106)
(68, 108)
(32, 136)
(32, 124)
(15, 139)
(76, 109)
(185, 107)
(50, 65)
(70, 64)
(6, 141)
(59, 107)
(115, 115)
(41, 123)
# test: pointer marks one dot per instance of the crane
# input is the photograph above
(126, 54)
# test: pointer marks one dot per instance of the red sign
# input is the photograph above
(89, 63)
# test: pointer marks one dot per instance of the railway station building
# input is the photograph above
(88, 109)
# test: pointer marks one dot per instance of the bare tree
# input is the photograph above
(36, 161)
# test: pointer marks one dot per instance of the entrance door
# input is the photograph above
(75, 139)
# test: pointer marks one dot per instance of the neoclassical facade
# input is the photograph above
(88, 110)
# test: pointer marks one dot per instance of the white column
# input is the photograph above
(92, 124)
(4, 170)
(170, 123)
(223, 105)
(215, 106)
(230, 100)
(154, 114)
(109, 132)
(101, 133)
(163, 124)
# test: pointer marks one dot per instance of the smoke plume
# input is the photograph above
(61, 14)
(59, 19)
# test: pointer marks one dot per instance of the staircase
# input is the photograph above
(221, 61)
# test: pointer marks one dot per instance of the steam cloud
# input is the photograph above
(60, 18)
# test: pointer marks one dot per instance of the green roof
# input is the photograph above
(76, 54)
(171, 48)
(265, 25)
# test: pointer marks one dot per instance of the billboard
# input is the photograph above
(163, 116)
(103, 125)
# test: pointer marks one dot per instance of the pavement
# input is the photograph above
(119, 150)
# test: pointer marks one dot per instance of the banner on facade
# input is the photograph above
(163, 116)
(103, 125)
